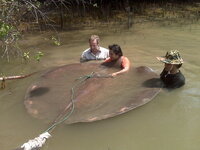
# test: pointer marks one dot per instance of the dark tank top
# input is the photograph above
(172, 80)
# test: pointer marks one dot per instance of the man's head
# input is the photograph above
(172, 60)
(94, 43)
(171, 57)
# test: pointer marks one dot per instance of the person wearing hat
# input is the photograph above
(171, 74)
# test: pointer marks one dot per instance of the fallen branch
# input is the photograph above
(3, 79)
(16, 77)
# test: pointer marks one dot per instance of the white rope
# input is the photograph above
(37, 142)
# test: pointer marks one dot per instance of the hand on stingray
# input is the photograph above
(99, 75)
(113, 75)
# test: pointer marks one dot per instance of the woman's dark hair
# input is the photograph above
(116, 49)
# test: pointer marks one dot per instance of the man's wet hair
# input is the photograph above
(116, 49)
(94, 37)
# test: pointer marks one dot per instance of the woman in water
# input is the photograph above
(116, 58)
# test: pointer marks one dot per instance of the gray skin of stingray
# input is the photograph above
(96, 98)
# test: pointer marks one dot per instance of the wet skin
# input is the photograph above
(171, 68)
(94, 46)
(113, 56)
(168, 67)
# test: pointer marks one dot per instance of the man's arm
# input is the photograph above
(83, 57)
(83, 60)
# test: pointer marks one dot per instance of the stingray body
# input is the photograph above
(96, 98)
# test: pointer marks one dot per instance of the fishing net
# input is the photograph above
(96, 96)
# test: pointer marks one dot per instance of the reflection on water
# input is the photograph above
(170, 121)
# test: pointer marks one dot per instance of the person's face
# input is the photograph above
(168, 67)
(112, 55)
(94, 45)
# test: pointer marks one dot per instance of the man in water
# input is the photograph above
(171, 74)
(95, 52)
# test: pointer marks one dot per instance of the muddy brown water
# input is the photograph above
(170, 121)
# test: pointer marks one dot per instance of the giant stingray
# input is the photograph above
(96, 98)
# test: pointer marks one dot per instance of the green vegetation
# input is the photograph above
(18, 17)
(26, 55)
(39, 55)
(56, 41)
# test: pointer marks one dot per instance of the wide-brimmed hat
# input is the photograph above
(171, 57)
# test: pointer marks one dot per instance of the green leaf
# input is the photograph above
(55, 41)
(38, 56)
(26, 55)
